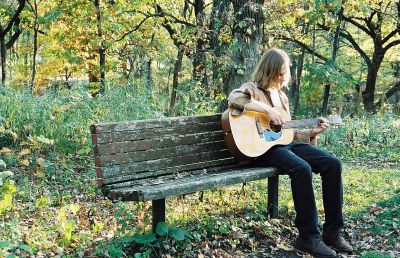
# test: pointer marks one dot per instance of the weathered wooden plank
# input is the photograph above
(121, 136)
(155, 177)
(154, 154)
(154, 165)
(152, 123)
(156, 143)
(191, 185)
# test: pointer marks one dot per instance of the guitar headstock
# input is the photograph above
(335, 120)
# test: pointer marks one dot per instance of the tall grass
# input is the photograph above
(65, 116)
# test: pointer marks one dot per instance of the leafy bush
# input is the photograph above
(370, 137)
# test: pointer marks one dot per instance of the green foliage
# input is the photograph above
(8, 249)
(60, 122)
(318, 76)
(7, 191)
(366, 138)
(7, 188)
(375, 255)
(387, 220)
(148, 243)
(192, 99)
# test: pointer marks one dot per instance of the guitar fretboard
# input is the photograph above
(300, 123)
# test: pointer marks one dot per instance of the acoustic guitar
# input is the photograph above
(251, 134)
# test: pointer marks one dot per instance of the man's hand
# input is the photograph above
(320, 128)
(259, 106)
(275, 116)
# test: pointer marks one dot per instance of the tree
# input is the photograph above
(11, 26)
(219, 20)
(381, 23)
(370, 28)
(247, 34)
(335, 48)
(34, 7)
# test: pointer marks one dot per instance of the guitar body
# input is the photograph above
(250, 135)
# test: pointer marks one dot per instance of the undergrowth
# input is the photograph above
(50, 205)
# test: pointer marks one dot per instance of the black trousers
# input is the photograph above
(299, 160)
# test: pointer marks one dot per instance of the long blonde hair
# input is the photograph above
(269, 67)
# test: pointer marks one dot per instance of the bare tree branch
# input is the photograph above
(350, 38)
(162, 14)
(132, 30)
(390, 35)
(14, 36)
(358, 25)
(302, 44)
(172, 32)
(21, 5)
(389, 93)
(391, 44)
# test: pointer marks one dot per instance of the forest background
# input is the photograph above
(68, 64)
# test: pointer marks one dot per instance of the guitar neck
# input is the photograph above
(301, 123)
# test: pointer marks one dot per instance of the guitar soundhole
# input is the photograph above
(275, 128)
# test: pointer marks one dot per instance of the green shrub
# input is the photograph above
(370, 137)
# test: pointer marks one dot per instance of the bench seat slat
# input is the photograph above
(154, 154)
(151, 165)
(156, 143)
(121, 136)
(191, 184)
(137, 178)
(153, 123)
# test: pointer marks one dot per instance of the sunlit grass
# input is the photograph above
(233, 216)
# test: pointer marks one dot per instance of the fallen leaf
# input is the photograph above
(5, 150)
(39, 173)
(28, 127)
(376, 210)
(25, 162)
(24, 152)
(40, 162)
(14, 136)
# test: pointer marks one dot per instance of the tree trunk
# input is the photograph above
(35, 47)
(3, 53)
(26, 54)
(67, 75)
(102, 49)
(102, 55)
(248, 33)
(145, 72)
(296, 98)
(149, 77)
(218, 19)
(293, 74)
(369, 92)
(335, 48)
(12, 25)
(175, 82)
(199, 58)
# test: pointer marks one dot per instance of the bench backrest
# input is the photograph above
(145, 150)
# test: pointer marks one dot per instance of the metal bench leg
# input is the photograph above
(158, 211)
(273, 183)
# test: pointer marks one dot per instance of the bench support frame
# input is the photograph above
(158, 212)
(273, 185)
(158, 206)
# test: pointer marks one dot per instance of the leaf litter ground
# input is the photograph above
(227, 222)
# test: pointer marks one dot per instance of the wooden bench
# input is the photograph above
(154, 159)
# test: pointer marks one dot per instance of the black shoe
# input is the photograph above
(337, 242)
(314, 246)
